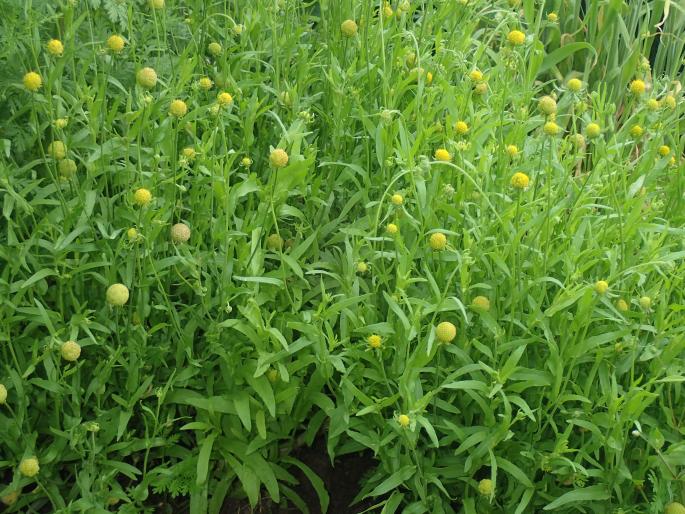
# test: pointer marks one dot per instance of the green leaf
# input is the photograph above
(592, 493)
(558, 55)
(203, 458)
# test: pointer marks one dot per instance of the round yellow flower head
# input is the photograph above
(278, 158)
(476, 75)
(387, 10)
(67, 168)
(274, 242)
(438, 241)
(461, 127)
(362, 267)
(429, 77)
(205, 83)
(142, 196)
(215, 48)
(578, 140)
(238, 29)
(3, 394)
(246, 162)
(178, 108)
(115, 43)
(61, 123)
(637, 87)
(397, 199)
(601, 287)
(516, 37)
(349, 28)
(548, 105)
(670, 101)
(10, 499)
(32, 81)
(403, 420)
(646, 302)
(57, 150)
(445, 332)
(70, 351)
(391, 229)
(664, 150)
(552, 17)
(551, 128)
(146, 78)
(374, 341)
(132, 234)
(674, 508)
(481, 303)
(224, 99)
(574, 85)
(593, 130)
(189, 153)
(180, 233)
(636, 131)
(481, 88)
(29, 467)
(520, 180)
(157, 4)
(622, 305)
(442, 155)
(486, 487)
(117, 295)
(512, 150)
(653, 104)
(55, 47)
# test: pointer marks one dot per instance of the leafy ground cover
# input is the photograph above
(258, 254)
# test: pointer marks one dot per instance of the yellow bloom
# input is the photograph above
(653, 104)
(178, 108)
(387, 10)
(392, 229)
(622, 305)
(481, 88)
(637, 87)
(486, 487)
(246, 162)
(403, 420)
(349, 28)
(664, 150)
(548, 105)
(274, 242)
(512, 150)
(278, 158)
(442, 155)
(238, 29)
(146, 78)
(461, 127)
(224, 99)
(67, 168)
(70, 351)
(374, 341)
(575, 85)
(132, 234)
(674, 508)
(397, 199)
(205, 83)
(670, 101)
(215, 48)
(438, 241)
(61, 123)
(516, 37)
(362, 267)
(445, 332)
(180, 233)
(157, 4)
(551, 128)
(57, 150)
(552, 17)
(476, 75)
(117, 295)
(520, 180)
(142, 196)
(645, 302)
(593, 130)
(29, 467)
(115, 43)
(481, 303)
(601, 287)
(55, 47)
(3, 394)
(636, 131)
(32, 81)
(189, 153)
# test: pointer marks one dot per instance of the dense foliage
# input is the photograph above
(448, 232)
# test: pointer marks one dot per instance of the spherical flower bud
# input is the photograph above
(117, 295)
(512, 150)
(391, 229)
(274, 242)
(480, 303)
(552, 17)
(3, 394)
(670, 101)
(476, 75)
(29, 467)
(224, 99)
(438, 241)
(481, 88)
(520, 180)
(601, 287)
(10, 499)
(180, 233)
(551, 128)
(32, 81)
(486, 487)
(67, 168)
(547, 105)
(57, 150)
(646, 302)
(278, 158)
(403, 420)
(461, 127)
(674, 508)
(61, 123)
(349, 28)
(593, 130)
(516, 37)
(272, 375)
(132, 234)
(445, 332)
(189, 153)
(574, 85)
(622, 305)
(55, 47)
(664, 150)
(178, 108)
(397, 199)
(578, 140)
(246, 162)
(157, 4)
(146, 78)
(637, 87)
(115, 43)
(442, 155)
(238, 29)
(636, 131)
(362, 267)
(142, 197)
(214, 49)
(70, 351)
(205, 83)
(374, 341)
